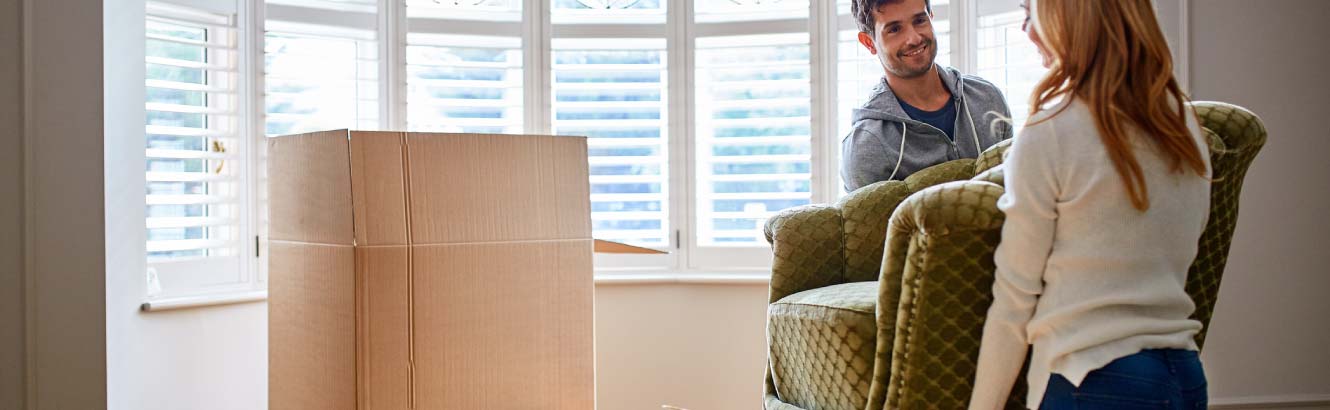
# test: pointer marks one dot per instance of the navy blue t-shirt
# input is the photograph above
(944, 119)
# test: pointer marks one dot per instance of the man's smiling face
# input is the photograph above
(903, 38)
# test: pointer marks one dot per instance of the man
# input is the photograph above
(920, 114)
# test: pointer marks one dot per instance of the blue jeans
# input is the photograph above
(1161, 379)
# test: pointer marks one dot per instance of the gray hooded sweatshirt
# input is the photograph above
(873, 148)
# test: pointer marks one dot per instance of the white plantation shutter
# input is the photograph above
(752, 131)
(463, 74)
(617, 97)
(453, 88)
(1007, 58)
(315, 82)
(704, 117)
(196, 213)
(320, 72)
(320, 66)
(610, 82)
(753, 134)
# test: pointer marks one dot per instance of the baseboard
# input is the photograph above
(1302, 401)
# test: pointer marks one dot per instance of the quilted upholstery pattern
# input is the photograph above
(866, 212)
(1241, 136)
(826, 358)
(819, 245)
(945, 292)
(807, 242)
(992, 156)
(936, 272)
(995, 175)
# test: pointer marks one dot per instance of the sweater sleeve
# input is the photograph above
(1027, 239)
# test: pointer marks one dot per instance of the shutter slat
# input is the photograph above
(627, 197)
(608, 105)
(625, 160)
(757, 196)
(177, 85)
(186, 131)
(757, 159)
(189, 42)
(187, 177)
(187, 154)
(190, 64)
(608, 67)
(479, 102)
(186, 222)
(622, 216)
(758, 177)
(625, 179)
(188, 199)
(188, 244)
(187, 109)
(794, 140)
(440, 83)
(758, 122)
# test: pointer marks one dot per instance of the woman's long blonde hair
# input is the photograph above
(1111, 54)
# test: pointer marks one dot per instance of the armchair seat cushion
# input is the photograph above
(822, 345)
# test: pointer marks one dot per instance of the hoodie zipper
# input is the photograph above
(955, 151)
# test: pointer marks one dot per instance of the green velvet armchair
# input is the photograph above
(878, 301)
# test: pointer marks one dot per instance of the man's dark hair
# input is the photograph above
(863, 11)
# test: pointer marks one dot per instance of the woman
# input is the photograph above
(1107, 193)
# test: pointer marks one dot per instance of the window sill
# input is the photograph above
(187, 302)
(677, 278)
(601, 278)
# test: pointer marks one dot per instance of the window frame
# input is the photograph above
(249, 277)
(390, 25)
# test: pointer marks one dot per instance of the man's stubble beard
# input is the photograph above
(912, 72)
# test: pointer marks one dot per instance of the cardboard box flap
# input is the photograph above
(604, 246)
(309, 188)
(378, 184)
(460, 174)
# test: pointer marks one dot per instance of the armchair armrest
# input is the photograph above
(808, 247)
(948, 233)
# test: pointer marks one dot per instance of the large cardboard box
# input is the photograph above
(429, 271)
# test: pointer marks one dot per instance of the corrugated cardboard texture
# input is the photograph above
(386, 351)
(465, 282)
(528, 192)
(311, 331)
(380, 187)
(309, 189)
(491, 334)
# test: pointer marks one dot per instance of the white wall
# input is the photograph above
(697, 347)
(201, 359)
(1270, 335)
(11, 205)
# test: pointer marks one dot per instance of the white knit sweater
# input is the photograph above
(1082, 275)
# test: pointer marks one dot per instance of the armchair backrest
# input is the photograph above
(1236, 136)
(822, 245)
(867, 211)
